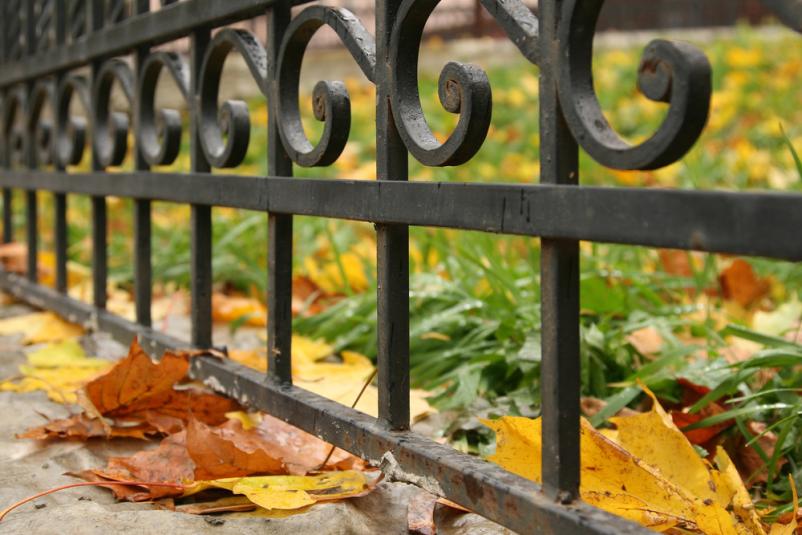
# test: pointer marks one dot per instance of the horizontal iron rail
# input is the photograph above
(747, 223)
(469, 481)
(154, 28)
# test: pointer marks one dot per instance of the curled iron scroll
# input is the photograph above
(331, 102)
(14, 105)
(672, 72)
(70, 135)
(225, 131)
(159, 135)
(110, 128)
(463, 89)
(40, 130)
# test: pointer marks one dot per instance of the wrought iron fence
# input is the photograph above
(64, 53)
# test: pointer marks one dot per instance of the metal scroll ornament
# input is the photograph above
(675, 73)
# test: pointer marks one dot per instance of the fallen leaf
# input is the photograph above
(40, 328)
(229, 308)
(14, 257)
(227, 504)
(420, 513)
(676, 262)
(229, 451)
(647, 472)
(136, 378)
(302, 452)
(747, 459)
(168, 463)
(592, 406)
(791, 527)
(293, 492)
(740, 284)
(59, 370)
(81, 427)
(135, 398)
(647, 341)
(316, 368)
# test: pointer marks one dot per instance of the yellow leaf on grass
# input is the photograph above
(229, 308)
(646, 471)
(728, 479)
(58, 369)
(316, 368)
(40, 327)
(291, 492)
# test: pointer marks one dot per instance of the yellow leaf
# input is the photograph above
(40, 327)
(624, 483)
(728, 479)
(59, 370)
(291, 492)
(316, 368)
(653, 437)
(229, 308)
(65, 354)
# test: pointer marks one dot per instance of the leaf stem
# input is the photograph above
(7, 510)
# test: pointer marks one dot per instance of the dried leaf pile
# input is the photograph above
(209, 444)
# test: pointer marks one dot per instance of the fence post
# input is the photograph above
(393, 244)
(559, 279)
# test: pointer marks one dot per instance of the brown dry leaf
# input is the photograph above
(647, 341)
(676, 262)
(229, 451)
(592, 406)
(420, 513)
(302, 452)
(306, 296)
(136, 378)
(703, 435)
(227, 504)
(169, 463)
(137, 397)
(169, 412)
(228, 308)
(14, 257)
(121, 492)
(82, 427)
(739, 283)
(749, 461)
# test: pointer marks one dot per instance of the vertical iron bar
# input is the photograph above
(32, 218)
(60, 199)
(31, 204)
(201, 218)
(392, 243)
(8, 234)
(143, 276)
(99, 206)
(8, 216)
(560, 379)
(279, 246)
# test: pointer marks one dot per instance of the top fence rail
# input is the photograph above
(59, 55)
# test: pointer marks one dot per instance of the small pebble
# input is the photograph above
(84, 499)
(39, 505)
(46, 466)
(214, 520)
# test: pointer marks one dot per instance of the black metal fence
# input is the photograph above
(45, 43)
